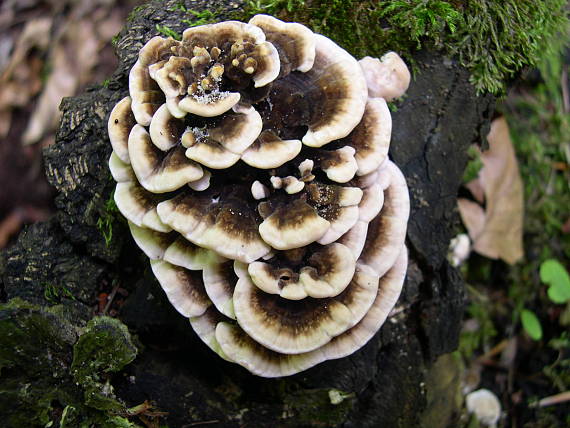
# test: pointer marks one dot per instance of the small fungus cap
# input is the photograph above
(387, 77)
(251, 162)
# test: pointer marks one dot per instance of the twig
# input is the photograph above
(193, 424)
(553, 399)
(110, 298)
(497, 349)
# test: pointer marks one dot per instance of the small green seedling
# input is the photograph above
(556, 276)
(531, 324)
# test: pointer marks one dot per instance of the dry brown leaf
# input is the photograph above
(21, 77)
(73, 56)
(496, 231)
(69, 50)
(61, 83)
(476, 189)
(473, 216)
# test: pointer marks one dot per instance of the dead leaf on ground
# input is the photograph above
(55, 51)
(74, 55)
(496, 229)
(20, 79)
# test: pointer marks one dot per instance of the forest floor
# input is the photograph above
(515, 340)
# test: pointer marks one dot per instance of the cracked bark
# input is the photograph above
(432, 128)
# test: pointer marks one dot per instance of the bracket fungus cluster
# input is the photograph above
(251, 163)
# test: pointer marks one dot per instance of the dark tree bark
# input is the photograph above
(387, 382)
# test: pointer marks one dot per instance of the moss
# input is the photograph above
(92, 360)
(473, 339)
(443, 391)
(35, 346)
(474, 164)
(40, 349)
(56, 293)
(199, 18)
(165, 30)
(318, 407)
(493, 39)
(136, 11)
(107, 218)
(499, 38)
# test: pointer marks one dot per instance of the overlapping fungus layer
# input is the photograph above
(251, 163)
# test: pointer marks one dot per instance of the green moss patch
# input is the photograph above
(105, 347)
(318, 407)
(54, 376)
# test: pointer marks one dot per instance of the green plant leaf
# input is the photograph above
(531, 324)
(555, 275)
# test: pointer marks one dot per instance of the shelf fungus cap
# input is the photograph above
(328, 273)
(159, 171)
(121, 121)
(202, 183)
(139, 206)
(184, 288)
(287, 326)
(387, 231)
(387, 77)
(389, 289)
(207, 152)
(249, 52)
(157, 49)
(120, 171)
(146, 96)
(227, 227)
(165, 129)
(270, 151)
(243, 350)
(343, 87)
(205, 327)
(293, 226)
(209, 105)
(294, 42)
(219, 283)
(154, 244)
(190, 256)
(371, 137)
(222, 145)
(251, 162)
(340, 165)
(295, 327)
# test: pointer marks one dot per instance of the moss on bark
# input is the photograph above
(53, 372)
(494, 39)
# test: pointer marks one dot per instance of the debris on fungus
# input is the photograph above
(251, 161)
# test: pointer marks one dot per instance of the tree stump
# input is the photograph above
(62, 266)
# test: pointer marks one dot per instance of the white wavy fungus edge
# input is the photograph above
(324, 263)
